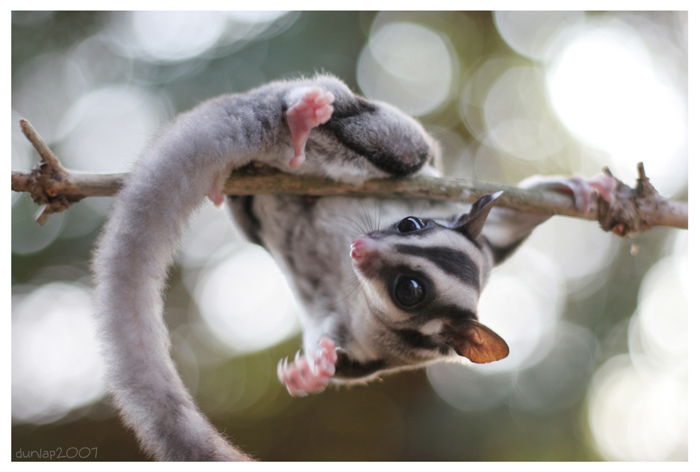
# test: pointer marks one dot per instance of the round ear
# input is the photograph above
(472, 223)
(477, 343)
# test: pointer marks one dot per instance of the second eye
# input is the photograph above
(410, 224)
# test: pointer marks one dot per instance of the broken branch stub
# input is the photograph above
(633, 211)
(47, 181)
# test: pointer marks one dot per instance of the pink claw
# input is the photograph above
(309, 374)
(312, 109)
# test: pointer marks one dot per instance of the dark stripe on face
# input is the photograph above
(348, 368)
(414, 339)
(456, 315)
(449, 260)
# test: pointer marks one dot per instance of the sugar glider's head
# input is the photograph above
(422, 278)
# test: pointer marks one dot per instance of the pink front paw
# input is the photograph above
(309, 374)
(312, 109)
(605, 185)
(583, 190)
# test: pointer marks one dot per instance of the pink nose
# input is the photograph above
(364, 252)
(362, 247)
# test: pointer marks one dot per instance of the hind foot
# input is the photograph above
(312, 109)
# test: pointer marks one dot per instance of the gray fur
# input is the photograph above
(309, 238)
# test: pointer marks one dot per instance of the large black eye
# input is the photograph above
(408, 291)
(409, 224)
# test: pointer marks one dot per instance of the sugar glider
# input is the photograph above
(396, 297)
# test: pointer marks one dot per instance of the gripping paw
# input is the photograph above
(312, 109)
(583, 190)
(309, 374)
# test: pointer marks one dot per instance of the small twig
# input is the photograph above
(632, 211)
(54, 187)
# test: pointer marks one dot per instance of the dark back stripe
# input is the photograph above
(449, 260)
(402, 154)
(244, 212)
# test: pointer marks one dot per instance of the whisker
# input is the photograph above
(350, 288)
(425, 204)
(360, 219)
(365, 218)
(377, 215)
(350, 224)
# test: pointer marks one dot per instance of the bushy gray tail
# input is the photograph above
(130, 266)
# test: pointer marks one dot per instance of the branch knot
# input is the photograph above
(632, 211)
(48, 179)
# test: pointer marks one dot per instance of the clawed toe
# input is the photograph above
(308, 374)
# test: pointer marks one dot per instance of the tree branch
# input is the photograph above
(633, 211)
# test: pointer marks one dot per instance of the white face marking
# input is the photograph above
(451, 290)
(432, 327)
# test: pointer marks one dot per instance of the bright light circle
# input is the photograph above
(246, 302)
(608, 92)
(56, 364)
(407, 65)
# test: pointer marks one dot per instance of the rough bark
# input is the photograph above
(633, 211)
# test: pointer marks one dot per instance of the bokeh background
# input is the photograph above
(598, 326)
